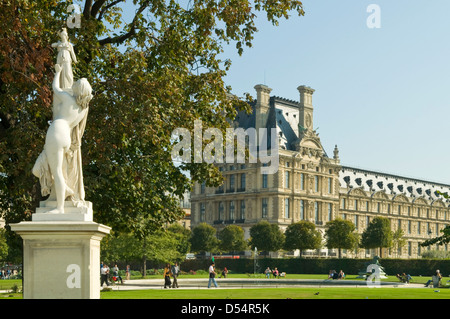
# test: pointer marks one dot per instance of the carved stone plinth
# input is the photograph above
(61, 259)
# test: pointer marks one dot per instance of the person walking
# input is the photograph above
(167, 273)
(212, 275)
(127, 273)
(116, 274)
(175, 272)
(104, 271)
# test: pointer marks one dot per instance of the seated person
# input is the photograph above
(275, 272)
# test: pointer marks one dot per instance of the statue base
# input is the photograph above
(81, 212)
(61, 259)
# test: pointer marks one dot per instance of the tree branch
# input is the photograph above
(118, 39)
(96, 7)
(129, 34)
(105, 8)
(87, 9)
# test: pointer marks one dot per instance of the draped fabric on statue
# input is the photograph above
(73, 161)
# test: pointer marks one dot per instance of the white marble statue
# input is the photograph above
(58, 167)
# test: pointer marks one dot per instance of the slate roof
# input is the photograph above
(392, 184)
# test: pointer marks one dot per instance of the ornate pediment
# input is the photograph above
(401, 198)
(359, 191)
(420, 200)
(380, 194)
(308, 143)
(438, 203)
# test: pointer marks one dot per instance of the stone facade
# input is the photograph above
(310, 185)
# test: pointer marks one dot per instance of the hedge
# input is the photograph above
(414, 267)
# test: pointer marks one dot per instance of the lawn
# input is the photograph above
(268, 293)
(289, 292)
(282, 293)
(12, 288)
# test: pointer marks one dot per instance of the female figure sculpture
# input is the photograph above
(58, 167)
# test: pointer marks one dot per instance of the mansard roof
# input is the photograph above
(373, 181)
(284, 116)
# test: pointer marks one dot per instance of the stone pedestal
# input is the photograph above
(61, 257)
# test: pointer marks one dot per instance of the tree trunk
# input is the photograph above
(144, 260)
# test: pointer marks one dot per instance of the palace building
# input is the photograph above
(310, 185)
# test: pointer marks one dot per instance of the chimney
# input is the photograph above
(306, 107)
(262, 105)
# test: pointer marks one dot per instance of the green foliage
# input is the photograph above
(203, 239)
(414, 267)
(435, 254)
(181, 235)
(158, 71)
(341, 234)
(377, 234)
(398, 239)
(3, 245)
(266, 237)
(232, 239)
(440, 240)
(162, 246)
(302, 235)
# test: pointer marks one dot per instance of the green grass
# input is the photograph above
(268, 293)
(8, 284)
(282, 293)
(288, 293)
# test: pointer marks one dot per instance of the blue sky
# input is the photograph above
(382, 95)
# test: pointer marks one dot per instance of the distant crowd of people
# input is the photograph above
(6, 273)
(275, 273)
(106, 277)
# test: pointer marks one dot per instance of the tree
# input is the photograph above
(398, 240)
(341, 234)
(117, 247)
(182, 236)
(302, 235)
(439, 240)
(163, 246)
(266, 237)
(378, 234)
(445, 237)
(203, 239)
(232, 239)
(3, 246)
(158, 71)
